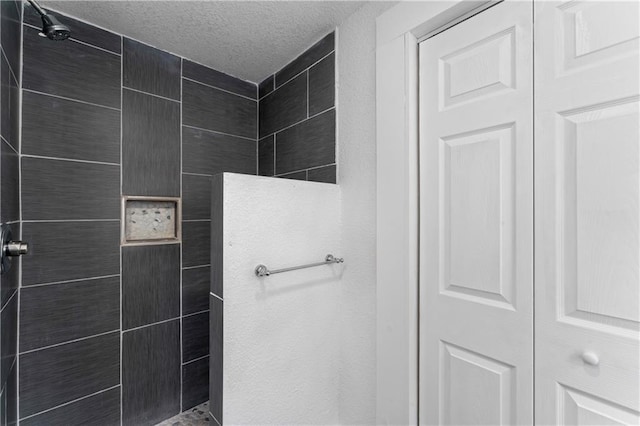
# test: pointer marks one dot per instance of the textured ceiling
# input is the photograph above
(247, 39)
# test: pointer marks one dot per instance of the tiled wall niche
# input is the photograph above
(112, 333)
(298, 117)
(10, 18)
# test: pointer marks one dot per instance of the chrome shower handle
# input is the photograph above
(10, 248)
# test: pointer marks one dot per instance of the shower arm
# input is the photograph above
(37, 7)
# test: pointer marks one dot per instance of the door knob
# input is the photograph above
(590, 358)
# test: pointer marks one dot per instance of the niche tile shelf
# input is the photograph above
(150, 220)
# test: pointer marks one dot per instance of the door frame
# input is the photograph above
(398, 32)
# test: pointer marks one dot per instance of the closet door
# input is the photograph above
(587, 213)
(476, 220)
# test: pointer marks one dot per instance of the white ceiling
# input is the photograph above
(247, 39)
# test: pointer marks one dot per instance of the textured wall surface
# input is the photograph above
(357, 178)
(281, 333)
(10, 18)
(125, 328)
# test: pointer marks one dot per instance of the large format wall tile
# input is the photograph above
(70, 250)
(284, 107)
(217, 232)
(308, 144)
(150, 145)
(195, 290)
(195, 336)
(10, 190)
(266, 87)
(215, 358)
(265, 155)
(53, 376)
(195, 243)
(55, 127)
(209, 108)
(218, 79)
(322, 89)
(102, 409)
(70, 69)
(151, 373)
(150, 284)
(10, 29)
(195, 383)
(9, 105)
(57, 313)
(150, 70)
(308, 58)
(11, 388)
(210, 153)
(196, 197)
(8, 337)
(82, 31)
(69, 190)
(325, 174)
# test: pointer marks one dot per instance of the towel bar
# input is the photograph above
(263, 271)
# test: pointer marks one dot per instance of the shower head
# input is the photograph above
(51, 27)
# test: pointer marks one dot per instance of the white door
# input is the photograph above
(476, 220)
(587, 139)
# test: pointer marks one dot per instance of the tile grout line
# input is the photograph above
(216, 296)
(217, 132)
(195, 313)
(182, 217)
(307, 169)
(20, 214)
(78, 280)
(131, 89)
(150, 324)
(52, 95)
(196, 359)
(43, 157)
(69, 402)
(67, 342)
(185, 268)
(121, 231)
(218, 88)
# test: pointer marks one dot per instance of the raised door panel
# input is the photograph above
(587, 191)
(476, 197)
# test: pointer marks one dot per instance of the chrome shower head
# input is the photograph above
(51, 27)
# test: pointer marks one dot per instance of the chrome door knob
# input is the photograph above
(590, 358)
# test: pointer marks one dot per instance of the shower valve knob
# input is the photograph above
(16, 248)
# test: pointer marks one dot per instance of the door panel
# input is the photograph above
(587, 184)
(476, 214)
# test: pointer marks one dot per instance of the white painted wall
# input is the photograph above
(356, 96)
(281, 333)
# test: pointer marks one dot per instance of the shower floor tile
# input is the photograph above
(196, 416)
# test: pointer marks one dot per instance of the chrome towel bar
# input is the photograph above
(263, 271)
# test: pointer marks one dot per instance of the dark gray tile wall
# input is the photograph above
(150, 284)
(150, 70)
(102, 409)
(61, 374)
(10, 53)
(95, 108)
(215, 358)
(151, 373)
(57, 313)
(150, 145)
(297, 117)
